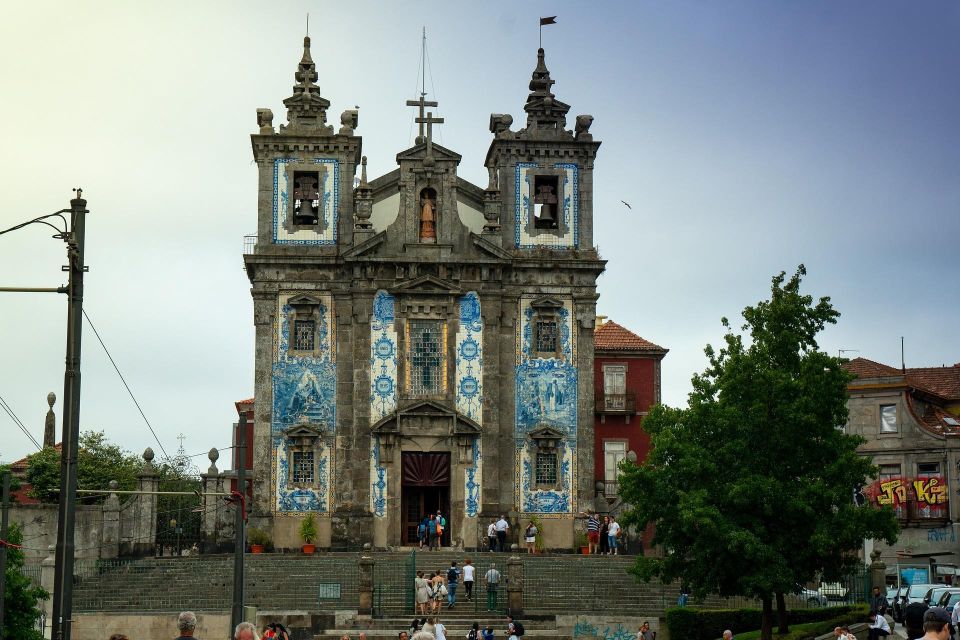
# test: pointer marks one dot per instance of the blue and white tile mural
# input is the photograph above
(469, 359)
(546, 396)
(568, 197)
(383, 389)
(329, 190)
(304, 393)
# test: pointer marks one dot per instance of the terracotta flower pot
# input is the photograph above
(256, 548)
(585, 550)
(309, 548)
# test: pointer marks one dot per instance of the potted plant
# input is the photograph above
(258, 538)
(538, 539)
(582, 543)
(308, 532)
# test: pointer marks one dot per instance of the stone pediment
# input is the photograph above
(546, 433)
(419, 152)
(429, 285)
(546, 302)
(303, 431)
(426, 416)
(303, 301)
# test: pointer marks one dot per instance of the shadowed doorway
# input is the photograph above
(425, 486)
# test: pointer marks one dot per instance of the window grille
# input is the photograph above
(546, 468)
(426, 357)
(303, 467)
(547, 336)
(304, 334)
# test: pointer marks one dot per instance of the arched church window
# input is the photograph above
(425, 357)
(428, 215)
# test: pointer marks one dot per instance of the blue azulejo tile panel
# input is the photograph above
(378, 481)
(469, 359)
(546, 395)
(383, 357)
(304, 394)
(472, 481)
(568, 195)
(556, 499)
(294, 499)
(329, 190)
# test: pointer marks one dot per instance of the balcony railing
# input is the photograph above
(610, 489)
(249, 244)
(616, 402)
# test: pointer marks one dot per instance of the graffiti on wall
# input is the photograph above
(928, 493)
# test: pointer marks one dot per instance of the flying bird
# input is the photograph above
(628, 204)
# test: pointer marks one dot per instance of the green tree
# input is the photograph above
(14, 480)
(21, 607)
(98, 462)
(751, 487)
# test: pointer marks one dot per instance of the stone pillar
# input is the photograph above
(145, 529)
(365, 586)
(47, 570)
(515, 586)
(210, 503)
(110, 543)
(878, 572)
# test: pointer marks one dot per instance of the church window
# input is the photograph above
(546, 330)
(304, 335)
(425, 348)
(546, 202)
(303, 467)
(306, 197)
(546, 468)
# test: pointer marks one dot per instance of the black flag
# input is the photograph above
(549, 20)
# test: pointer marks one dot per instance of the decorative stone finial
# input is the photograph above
(50, 423)
(148, 454)
(350, 119)
(113, 484)
(546, 116)
(582, 130)
(265, 120)
(306, 108)
(363, 170)
(51, 399)
(213, 455)
(363, 200)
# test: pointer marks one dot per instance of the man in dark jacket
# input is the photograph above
(913, 619)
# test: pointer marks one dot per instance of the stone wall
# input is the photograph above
(145, 626)
(39, 522)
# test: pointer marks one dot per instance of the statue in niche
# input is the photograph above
(428, 216)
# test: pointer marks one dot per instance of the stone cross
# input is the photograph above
(429, 121)
(422, 104)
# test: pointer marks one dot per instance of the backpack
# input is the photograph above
(451, 575)
(472, 634)
(517, 628)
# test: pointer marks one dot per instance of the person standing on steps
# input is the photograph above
(502, 527)
(493, 583)
(593, 531)
(453, 577)
(468, 575)
(530, 536)
(439, 631)
(492, 536)
(432, 533)
(613, 532)
(441, 526)
(423, 593)
(605, 536)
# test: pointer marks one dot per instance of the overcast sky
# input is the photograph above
(748, 137)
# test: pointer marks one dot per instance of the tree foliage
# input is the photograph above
(750, 488)
(21, 607)
(98, 462)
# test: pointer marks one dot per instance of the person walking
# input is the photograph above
(493, 583)
(423, 593)
(432, 536)
(441, 526)
(492, 536)
(422, 532)
(488, 634)
(469, 572)
(613, 532)
(604, 536)
(453, 577)
(502, 527)
(439, 631)
(474, 633)
(530, 537)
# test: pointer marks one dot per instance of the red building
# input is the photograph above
(626, 380)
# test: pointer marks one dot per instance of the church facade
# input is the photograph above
(422, 343)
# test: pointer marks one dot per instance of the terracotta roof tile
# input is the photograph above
(610, 336)
(863, 368)
(942, 381)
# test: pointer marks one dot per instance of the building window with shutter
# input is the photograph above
(614, 387)
(546, 468)
(614, 451)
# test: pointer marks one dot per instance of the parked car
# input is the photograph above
(917, 592)
(933, 595)
(833, 590)
(949, 598)
(812, 597)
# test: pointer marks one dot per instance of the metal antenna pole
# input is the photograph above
(423, 65)
(63, 571)
(4, 532)
(238, 526)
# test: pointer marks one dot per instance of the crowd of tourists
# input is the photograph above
(440, 587)
(603, 536)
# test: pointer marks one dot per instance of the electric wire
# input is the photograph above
(122, 379)
(13, 416)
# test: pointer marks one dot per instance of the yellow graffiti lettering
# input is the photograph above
(930, 490)
(892, 492)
